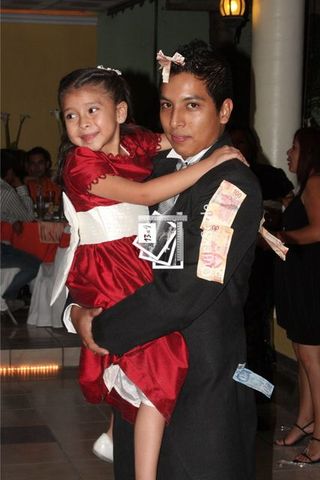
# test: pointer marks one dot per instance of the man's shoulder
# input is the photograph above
(5, 187)
(234, 172)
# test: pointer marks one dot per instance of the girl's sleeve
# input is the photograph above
(149, 142)
(85, 167)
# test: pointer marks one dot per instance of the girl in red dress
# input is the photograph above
(105, 161)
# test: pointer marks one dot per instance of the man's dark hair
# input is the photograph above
(40, 151)
(207, 65)
(309, 157)
(10, 159)
(249, 137)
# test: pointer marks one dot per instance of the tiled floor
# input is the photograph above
(48, 429)
(34, 345)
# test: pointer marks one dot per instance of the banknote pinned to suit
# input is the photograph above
(253, 380)
(214, 248)
(217, 232)
(223, 206)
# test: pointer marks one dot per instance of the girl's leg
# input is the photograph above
(310, 359)
(110, 429)
(148, 433)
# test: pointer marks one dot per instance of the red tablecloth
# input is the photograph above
(38, 238)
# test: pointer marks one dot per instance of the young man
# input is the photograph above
(212, 431)
(38, 165)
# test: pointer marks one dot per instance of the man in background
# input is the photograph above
(38, 167)
(16, 207)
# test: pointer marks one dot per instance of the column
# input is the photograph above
(277, 64)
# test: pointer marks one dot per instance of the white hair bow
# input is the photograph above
(165, 63)
(101, 67)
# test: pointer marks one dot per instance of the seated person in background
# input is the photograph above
(17, 160)
(38, 179)
(276, 189)
(16, 207)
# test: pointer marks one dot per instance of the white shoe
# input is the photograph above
(103, 448)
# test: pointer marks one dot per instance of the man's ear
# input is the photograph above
(122, 112)
(225, 111)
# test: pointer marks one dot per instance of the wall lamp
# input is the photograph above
(234, 14)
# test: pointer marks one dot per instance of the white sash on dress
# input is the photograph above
(98, 225)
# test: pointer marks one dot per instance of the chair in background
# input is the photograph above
(6, 277)
(41, 314)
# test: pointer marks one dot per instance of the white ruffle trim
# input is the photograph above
(115, 378)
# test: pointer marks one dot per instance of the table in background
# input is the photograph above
(39, 238)
(47, 241)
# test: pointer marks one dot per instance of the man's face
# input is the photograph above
(189, 116)
(36, 165)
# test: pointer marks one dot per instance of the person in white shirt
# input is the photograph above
(16, 207)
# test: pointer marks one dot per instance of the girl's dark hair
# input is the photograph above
(114, 85)
(309, 157)
(209, 66)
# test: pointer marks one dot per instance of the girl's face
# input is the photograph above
(93, 119)
(293, 156)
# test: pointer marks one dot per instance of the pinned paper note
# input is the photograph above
(275, 243)
(217, 232)
(223, 206)
(213, 253)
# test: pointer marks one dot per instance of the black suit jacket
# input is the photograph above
(212, 431)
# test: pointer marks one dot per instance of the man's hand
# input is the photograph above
(82, 322)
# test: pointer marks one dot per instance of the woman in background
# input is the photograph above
(297, 292)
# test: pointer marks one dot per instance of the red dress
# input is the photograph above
(105, 273)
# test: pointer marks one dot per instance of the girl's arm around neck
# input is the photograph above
(162, 188)
(311, 200)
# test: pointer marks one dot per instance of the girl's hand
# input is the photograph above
(227, 153)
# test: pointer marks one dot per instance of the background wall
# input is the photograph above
(33, 59)
(130, 40)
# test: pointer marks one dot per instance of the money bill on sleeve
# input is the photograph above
(223, 206)
(214, 248)
(253, 380)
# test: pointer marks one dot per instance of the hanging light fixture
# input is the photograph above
(233, 13)
(232, 8)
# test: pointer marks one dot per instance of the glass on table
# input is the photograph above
(49, 204)
(40, 206)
